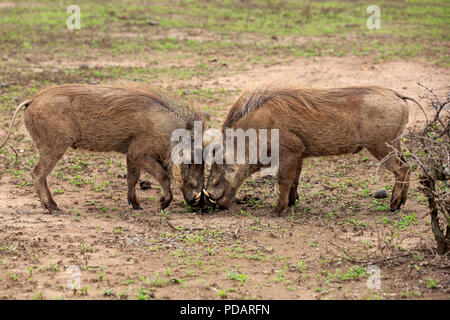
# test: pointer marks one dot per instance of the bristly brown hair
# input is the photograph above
(186, 108)
(310, 100)
(132, 96)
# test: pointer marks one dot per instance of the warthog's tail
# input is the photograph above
(24, 103)
(401, 96)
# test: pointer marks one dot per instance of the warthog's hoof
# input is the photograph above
(164, 201)
(134, 204)
(278, 211)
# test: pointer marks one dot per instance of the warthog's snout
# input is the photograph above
(195, 200)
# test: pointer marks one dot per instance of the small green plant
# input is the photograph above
(381, 206)
(86, 248)
(281, 276)
(222, 294)
(39, 295)
(59, 191)
(101, 275)
(240, 277)
(302, 267)
(83, 291)
(108, 292)
(313, 243)
(143, 294)
(13, 276)
(365, 193)
(30, 271)
(351, 273)
(123, 294)
(432, 283)
(405, 221)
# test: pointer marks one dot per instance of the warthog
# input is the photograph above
(311, 123)
(135, 122)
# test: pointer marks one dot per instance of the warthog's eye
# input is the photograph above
(230, 168)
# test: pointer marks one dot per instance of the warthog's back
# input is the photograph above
(101, 118)
(328, 121)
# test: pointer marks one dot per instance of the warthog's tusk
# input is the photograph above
(197, 199)
(207, 194)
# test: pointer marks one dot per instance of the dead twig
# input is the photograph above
(371, 261)
(16, 155)
(236, 232)
(172, 226)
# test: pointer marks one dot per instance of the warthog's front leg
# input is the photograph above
(291, 154)
(286, 175)
(140, 155)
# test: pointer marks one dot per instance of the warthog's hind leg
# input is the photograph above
(397, 165)
(48, 157)
(133, 173)
(293, 193)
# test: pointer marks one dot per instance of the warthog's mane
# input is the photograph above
(310, 100)
(113, 99)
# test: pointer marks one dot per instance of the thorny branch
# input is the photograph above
(426, 150)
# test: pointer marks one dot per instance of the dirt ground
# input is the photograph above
(323, 248)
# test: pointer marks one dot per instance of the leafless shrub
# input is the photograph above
(426, 150)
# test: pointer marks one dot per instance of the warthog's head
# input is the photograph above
(192, 183)
(220, 188)
(187, 153)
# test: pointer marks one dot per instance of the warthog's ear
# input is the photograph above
(181, 135)
(181, 146)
